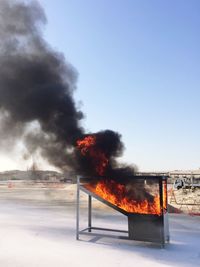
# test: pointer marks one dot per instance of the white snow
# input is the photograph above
(40, 232)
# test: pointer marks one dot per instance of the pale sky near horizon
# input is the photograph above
(139, 74)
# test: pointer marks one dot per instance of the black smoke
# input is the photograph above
(36, 93)
(107, 143)
(36, 85)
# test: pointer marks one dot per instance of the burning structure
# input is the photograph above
(147, 217)
(143, 199)
(37, 108)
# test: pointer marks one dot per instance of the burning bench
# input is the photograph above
(143, 199)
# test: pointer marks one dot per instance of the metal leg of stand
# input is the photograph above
(77, 208)
(89, 213)
(162, 211)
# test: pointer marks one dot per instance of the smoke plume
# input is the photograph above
(36, 92)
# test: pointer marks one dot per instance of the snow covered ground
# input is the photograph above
(37, 229)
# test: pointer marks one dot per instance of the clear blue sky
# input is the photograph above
(139, 73)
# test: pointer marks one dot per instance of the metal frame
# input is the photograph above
(89, 230)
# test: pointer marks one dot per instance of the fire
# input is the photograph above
(116, 194)
(87, 147)
(112, 191)
(86, 143)
(165, 195)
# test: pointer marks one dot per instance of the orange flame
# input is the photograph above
(165, 195)
(116, 194)
(86, 143)
(87, 147)
(112, 191)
